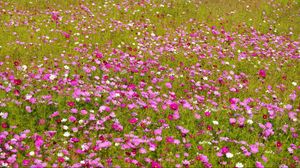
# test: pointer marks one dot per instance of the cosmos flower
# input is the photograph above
(17, 82)
(239, 165)
(174, 106)
(259, 165)
(67, 134)
(229, 155)
(262, 73)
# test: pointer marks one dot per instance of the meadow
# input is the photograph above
(150, 83)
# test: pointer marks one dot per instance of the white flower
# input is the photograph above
(28, 96)
(80, 121)
(4, 164)
(67, 158)
(31, 153)
(66, 134)
(215, 122)
(60, 154)
(239, 165)
(205, 78)
(52, 77)
(64, 120)
(229, 155)
(66, 67)
(65, 127)
(294, 83)
(24, 67)
(250, 122)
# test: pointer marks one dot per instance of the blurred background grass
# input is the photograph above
(277, 16)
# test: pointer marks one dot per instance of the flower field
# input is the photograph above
(150, 83)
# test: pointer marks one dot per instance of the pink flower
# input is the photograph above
(133, 120)
(169, 85)
(60, 159)
(157, 131)
(174, 106)
(197, 116)
(232, 120)
(17, 82)
(28, 109)
(67, 35)
(74, 111)
(170, 117)
(225, 150)
(71, 104)
(254, 148)
(207, 113)
(142, 150)
(176, 115)
(293, 96)
(39, 142)
(56, 113)
(265, 159)
(12, 159)
(241, 121)
(25, 162)
(262, 73)
(72, 118)
(259, 165)
(117, 126)
(219, 154)
(170, 139)
(155, 165)
(83, 112)
(55, 16)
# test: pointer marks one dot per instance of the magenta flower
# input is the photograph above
(25, 162)
(39, 142)
(133, 120)
(174, 106)
(155, 165)
(225, 150)
(170, 139)
(17, 82)
(207, 113)
(262, 73)
(67, 35)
